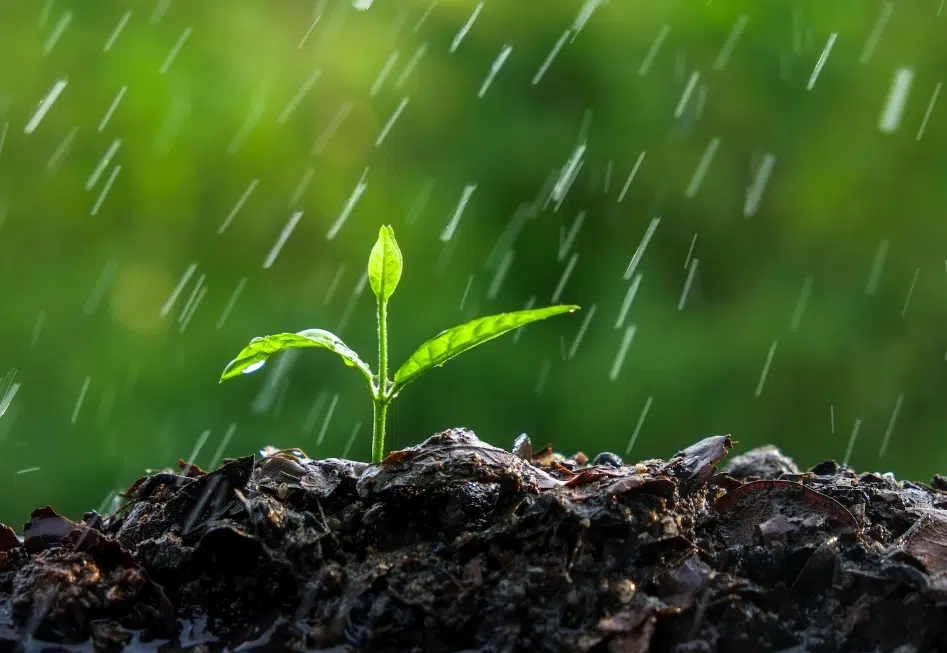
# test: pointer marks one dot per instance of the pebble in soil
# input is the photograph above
(457, 545)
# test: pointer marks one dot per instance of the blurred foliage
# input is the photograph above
(202, 101)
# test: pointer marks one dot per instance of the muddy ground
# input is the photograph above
(458, 546)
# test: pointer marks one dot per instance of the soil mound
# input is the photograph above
(458, 546)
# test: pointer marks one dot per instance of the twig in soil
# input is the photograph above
(699, 612)
(575, 552)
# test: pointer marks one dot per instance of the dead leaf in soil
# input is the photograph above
(629, 631)
(927, 541)
(771, 509)
(8, 538)
(695, 465)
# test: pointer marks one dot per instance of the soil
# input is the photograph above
(458, 546)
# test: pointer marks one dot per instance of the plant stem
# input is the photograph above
(378, 435)
(381, 398)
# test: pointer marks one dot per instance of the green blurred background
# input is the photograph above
(179, 118)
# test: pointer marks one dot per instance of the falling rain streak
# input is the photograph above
(731, 42)
(619, 360)
(498, 277)
(530, 303)
(564, 279)
(851, 442)
(568, 174)
(765, 372)
(178, 289)
(411, 65)
(874, 277)
(550, 57)
(451, 227)
(627, 301)
(7, 398)
(907, 300)
(891, 423)
(463, 299)
(200, 289)
(80, 399)
(583, 329)
(685, 96)
(294, 102)
(256, 113)
(494, 69)
(631, 176)
(821, 62)
(222, 447)
(172, 55)
(100, 287)
(333, 285)
(639, 252)
(201, 441)
(320, 144)
(637, 431)
(875, 37)
(325, 423)
(44, 106)
(312, 26)
(236, 209)
(755, 192)
(691, 273)
(231, 303)
(348, 445)
(543, 377)
(112, 107)
(283, 237)
(897, 99)
(690, 252)
(386, 69)
(466, 28)
(360, 187)
(391, 121)
(113, 37)
(702, 167)
(801, 304)
(57, 156)
(653, 50)
(929, 111)
(353, 300)
(103, 164)
(105, 190)
(566, 240)
(57, 32)
(37, 328)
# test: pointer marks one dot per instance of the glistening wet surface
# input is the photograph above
(457, 545)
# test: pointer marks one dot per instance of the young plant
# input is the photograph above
(384, 273)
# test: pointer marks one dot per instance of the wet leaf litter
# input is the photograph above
(458, 545)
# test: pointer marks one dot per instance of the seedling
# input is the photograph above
(384, 272)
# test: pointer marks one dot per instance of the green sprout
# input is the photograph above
(384, 272)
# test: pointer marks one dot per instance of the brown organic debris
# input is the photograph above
(457, 545)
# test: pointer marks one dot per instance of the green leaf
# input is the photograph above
(385, 264)
(260, 349)
(448, 344)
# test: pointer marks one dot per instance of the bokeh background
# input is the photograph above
(779, 167)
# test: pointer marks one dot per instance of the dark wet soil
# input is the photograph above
(458, 546)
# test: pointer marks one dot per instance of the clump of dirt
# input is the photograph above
(455, 545)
